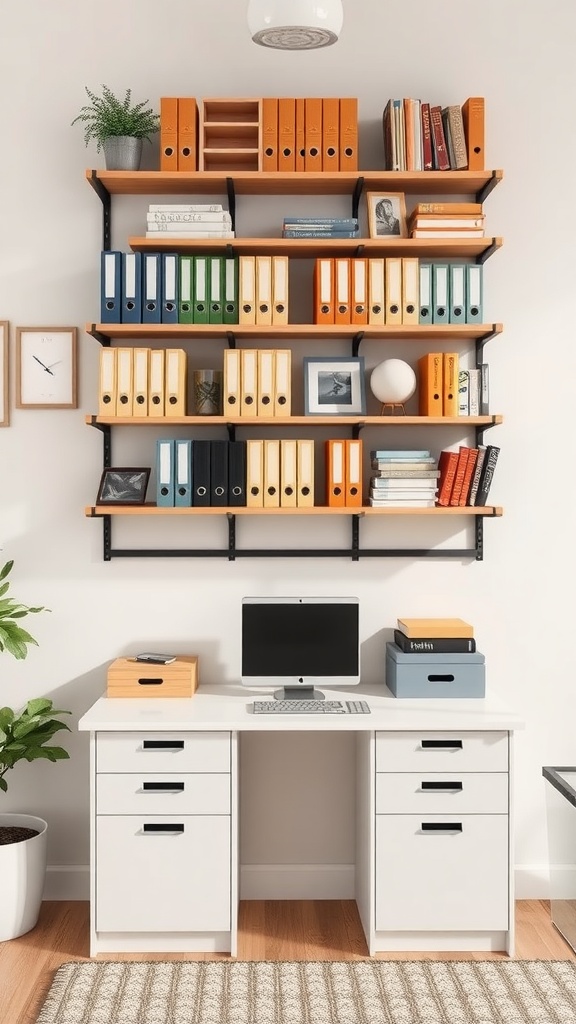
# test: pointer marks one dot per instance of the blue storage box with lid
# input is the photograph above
(434, 675)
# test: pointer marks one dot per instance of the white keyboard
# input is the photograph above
(310, 707)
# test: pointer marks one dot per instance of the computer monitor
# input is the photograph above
(299, 643)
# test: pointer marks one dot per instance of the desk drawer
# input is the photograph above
(162, 794)
(441, 752)
(442, 793)
(163, 752)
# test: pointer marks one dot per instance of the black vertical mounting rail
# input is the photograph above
(231, 201)
(231, 536)
(106, 201)
(107, 520)
(356, 196)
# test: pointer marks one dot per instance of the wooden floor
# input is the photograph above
(268, 930)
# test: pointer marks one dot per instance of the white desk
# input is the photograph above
(433, 819)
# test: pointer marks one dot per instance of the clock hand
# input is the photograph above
(47, 368)
(53, 364)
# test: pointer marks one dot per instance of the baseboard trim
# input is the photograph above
(67, 882)
(532, 882)
(297, 882)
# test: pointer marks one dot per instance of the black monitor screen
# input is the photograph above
(300, 639)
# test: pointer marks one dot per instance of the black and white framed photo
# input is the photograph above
(123, 486)
(387, 214)
(4, 407)
(334, 386)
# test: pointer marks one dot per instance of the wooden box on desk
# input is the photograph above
(130, 678)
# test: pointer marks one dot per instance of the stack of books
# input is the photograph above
(188, 220)
(320, 227)
(452, 220)
(435, 636)
(403, 479)
(466, 475)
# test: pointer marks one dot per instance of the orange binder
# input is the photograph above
(336, 473)
(313, 133)
(342, 290)
(286, 134)
(269, 134)
(187, 133)
(359, 291)
(450, 384)
(354, 472)
(324, 291)
(168, 133)
(330, 134)
(300, 136)
(430, 384)
(348, 134)
(473, 118)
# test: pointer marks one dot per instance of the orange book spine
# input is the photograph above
(459, 474)
(286, 134)
(336, 473)
(313, 133)
(269, 134)
(323, 290)
(330, 134)
(450, 384)
(187, 133)
(473, 117)
(348, 133)
(447, 465)
(430, 381)
(168, 133)
(300, 135)
(468, 472)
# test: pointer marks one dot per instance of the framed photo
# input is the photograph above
(123, 487)
(46, 359)
(334, 386)
(387, 214)
(4, 407)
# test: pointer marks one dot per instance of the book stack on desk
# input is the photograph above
(434, 658)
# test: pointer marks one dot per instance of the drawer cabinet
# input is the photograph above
(163, 752)
(162, 794)
(441, 793)
(442, 752)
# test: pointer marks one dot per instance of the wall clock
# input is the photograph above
(46, 367)
(4, 407)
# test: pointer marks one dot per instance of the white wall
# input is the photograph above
(519, 55)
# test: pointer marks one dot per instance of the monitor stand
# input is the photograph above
(298, 693)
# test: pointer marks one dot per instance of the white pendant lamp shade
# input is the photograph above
(295, 24)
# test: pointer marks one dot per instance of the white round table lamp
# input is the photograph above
(392, 382)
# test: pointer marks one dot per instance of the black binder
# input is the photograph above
(219, 473)
(237, 472)
(201, 472)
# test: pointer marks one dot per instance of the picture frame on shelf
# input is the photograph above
(4, 371)
(334, 386)
(46, 367)
(123, 486)
(387, 214)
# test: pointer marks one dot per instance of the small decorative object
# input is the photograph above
(117, 126)
(207, 392)
(4, 407)
(392, 382)
(295, 24)
(334, 386)
(46, 367)
(387, 214)
(123, 487)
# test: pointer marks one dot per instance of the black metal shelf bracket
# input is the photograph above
(231, 201)
(231, 536)
(487, 188)
(359, 250)
(106, 201)
(231, 428)
(230, 250)
(356, 342)
(104, 339)
(356, 195)
(231, 339)
(488, 252)
(480, 343)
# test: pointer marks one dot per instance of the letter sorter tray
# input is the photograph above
(434, 675)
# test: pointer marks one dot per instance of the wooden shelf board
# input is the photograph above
(309, 248)
(293, 182)
(415, 332)
(93, 511)
(294, 421)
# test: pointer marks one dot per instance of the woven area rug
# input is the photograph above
(327, 992)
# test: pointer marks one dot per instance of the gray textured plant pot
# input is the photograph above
(122, 153)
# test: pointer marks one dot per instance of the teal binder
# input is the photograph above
(425, 293)
(182, 473)
(200, 301)
(186, 291)
(215, 289)
(457, 291)
(440, 293)
(165, 473)
(474, 293)
(230, 289)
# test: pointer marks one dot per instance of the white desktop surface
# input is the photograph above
(218, 707)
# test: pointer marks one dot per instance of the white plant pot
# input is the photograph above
(22, 873)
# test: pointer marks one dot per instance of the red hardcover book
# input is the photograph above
(459, 475)
(468, 474)
(427, 157)
(441, 158)
(447, 465)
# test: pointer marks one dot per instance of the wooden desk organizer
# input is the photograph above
(129, 678)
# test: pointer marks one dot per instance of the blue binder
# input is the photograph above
(183, 473)
(110, 286)
(151, 288)
(131, 287)
(169, 287)
(165, 473)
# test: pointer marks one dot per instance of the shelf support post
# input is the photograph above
(107, 537)
(356, 195)
(106, 201)
(231, 536)
(231, 201)
(479, 537)
(355, 538)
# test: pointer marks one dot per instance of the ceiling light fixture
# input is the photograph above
(295, 24)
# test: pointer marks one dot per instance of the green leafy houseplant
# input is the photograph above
(106, 116)
(25, 734)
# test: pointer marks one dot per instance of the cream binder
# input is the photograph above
(156, 386)
(141, 370)
(410, 290)
(107, 389)
(305, 473)
(249, 382)
(231, 382)
(124, 379)
(271, 474)
(279, 289)
(353, 472)
(359, 291)
(376, 306)
(246, 290)
(254, 473)
(265, 405)
(393, 290)
(175, 384)
(263, 289)
(283, 382)
(342, 288)
(288, 473)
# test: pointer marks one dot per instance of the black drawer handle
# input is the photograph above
(440, 679)
(443, 787)
(145, 681)
(151, 830)
(163, 744)
(441, 826)
(163, 787)
(441, 744)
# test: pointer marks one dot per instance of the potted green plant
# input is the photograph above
(118, 127)
(24, 735)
